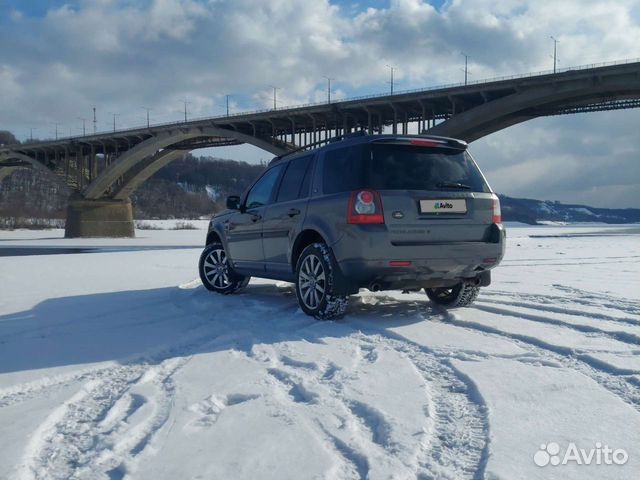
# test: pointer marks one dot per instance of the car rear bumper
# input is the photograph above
(372, 260)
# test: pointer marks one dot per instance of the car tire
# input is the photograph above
(215, 273)
(460, 295)
(316, 279)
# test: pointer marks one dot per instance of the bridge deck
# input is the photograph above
(371, 112)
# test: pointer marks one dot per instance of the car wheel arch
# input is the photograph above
(305, 238)
(213, 237)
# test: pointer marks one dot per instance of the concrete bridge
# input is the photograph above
(104, 169)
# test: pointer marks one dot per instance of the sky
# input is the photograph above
(59, 59)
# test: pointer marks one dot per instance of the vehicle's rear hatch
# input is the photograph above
(429, 194)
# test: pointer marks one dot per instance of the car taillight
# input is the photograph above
(428, 143)
(497, 215)
(400, 263)
(365, 206)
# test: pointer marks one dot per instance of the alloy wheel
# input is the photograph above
(216, 269)
(312, 282)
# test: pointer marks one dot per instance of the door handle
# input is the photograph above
(293, 212)
(255, 216)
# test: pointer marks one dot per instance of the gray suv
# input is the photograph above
(383, 212)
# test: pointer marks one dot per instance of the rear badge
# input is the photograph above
(397, 214)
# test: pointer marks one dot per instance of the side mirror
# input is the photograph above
(233, 202)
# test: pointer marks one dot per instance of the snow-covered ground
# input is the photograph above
(116, 363)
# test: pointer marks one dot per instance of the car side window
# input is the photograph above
(260, 193)
(293, 182)
(343, 169)
(306, 182)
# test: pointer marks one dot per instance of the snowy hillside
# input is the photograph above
(116, 363)
(531, 211)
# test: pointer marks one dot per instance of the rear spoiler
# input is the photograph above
(426, 141)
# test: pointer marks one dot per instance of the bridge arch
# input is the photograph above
(6, 170)
(28, 162)
(149, 167)
(528, 104)
(156, 152)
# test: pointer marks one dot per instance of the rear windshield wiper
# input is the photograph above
(453, 185)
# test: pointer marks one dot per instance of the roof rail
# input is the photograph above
(337, 138)
(344, 136)
(446, 142)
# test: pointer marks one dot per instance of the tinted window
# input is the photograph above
(261, 191)
(407, 167)
(306, 182)
(393, 166)
(292, 181)
(342, 170)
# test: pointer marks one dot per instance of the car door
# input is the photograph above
(244, 228)
(283, 218)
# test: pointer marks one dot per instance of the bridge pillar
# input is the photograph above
(99, 218)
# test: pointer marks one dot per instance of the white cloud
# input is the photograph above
(16, 15)
(119, 55)
(174, 18)
(592, 158)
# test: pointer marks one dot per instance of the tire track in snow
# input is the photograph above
(356, 462)
(66, 438)
(90, 432)
(618, 335)
(374, 422)
(578, 297)
(22, 392)
(545, 304)
(458, 446)
(291, 379)
(208, 410)
(623, 386)
(74, 442)
(359, 434)
(624, 330)
(619, 385)
(585, 296)
(457, 443)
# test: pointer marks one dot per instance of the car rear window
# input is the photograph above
(395, 166)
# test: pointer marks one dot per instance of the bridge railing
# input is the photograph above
(364, 97)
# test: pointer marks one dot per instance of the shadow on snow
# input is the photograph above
(149, 326)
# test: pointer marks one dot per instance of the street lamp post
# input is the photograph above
(391, 82)
(275, 97)
(84, 126)
(186, 102)
(555, 52)
(148, 110)
(114, 120)
(466, 69)
(328, 87)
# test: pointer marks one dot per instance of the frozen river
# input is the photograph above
(116, 363)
